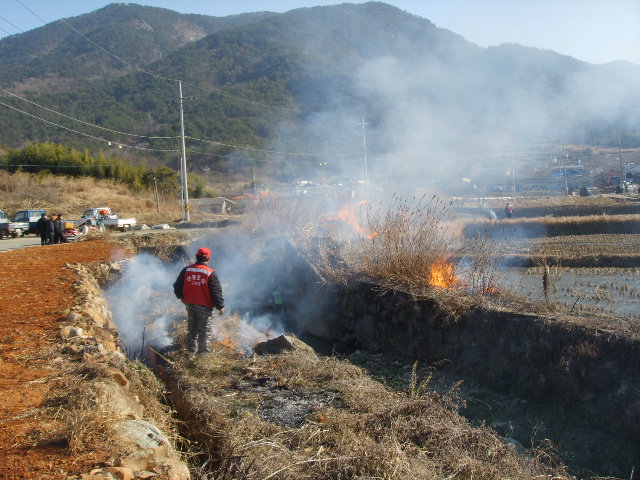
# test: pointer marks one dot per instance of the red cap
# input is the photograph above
(204, 252)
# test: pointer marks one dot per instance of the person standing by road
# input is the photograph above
(199, 288)
(59, 230)
(50, 231)
(41, 226)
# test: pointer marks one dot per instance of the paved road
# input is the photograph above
(8, 244)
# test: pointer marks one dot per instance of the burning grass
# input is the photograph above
(417, 248)
(411, 245)
(351, 425)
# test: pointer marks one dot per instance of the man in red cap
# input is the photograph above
(199, 289)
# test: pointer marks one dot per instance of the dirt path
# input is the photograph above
(36, 291)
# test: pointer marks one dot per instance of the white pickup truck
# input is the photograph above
(102, 217)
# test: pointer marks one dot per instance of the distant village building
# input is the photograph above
(561, 179)
(217, 205)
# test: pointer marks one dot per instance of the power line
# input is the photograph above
(6, 165)
(120, 145)
(82, 121)
(141, 70)
(31, 11)
(232, 157)
(298, 154)
(274, 152)
(4, 19)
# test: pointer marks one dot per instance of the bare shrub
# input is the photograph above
(481, 265)
(407, 240)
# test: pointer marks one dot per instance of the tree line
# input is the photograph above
(58, 159)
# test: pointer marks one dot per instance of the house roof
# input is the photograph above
(569, 171)
(205, 202)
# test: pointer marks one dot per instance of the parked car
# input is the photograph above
(29, 217)
(102, 217)
(590, 192)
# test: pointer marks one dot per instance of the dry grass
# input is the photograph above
(72, 196)
(410, 242)
(558, 226)
(409, 245)
(86, 420)
(360, 430)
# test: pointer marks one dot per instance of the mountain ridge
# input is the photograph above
(265, 80)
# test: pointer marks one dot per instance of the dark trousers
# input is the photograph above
(199, 328)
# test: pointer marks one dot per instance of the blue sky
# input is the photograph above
(596, 31)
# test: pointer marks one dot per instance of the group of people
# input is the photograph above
(52, 229)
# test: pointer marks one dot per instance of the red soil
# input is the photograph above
(36, 292)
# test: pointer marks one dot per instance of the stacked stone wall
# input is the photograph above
(89, 336)
(593, 372)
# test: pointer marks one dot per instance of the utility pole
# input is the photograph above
(621, 184)
(366, 172)
(183, 163)
(255, 185)
(185, 191)
(513, 174)
(322, 164)
(564, 164)
(155, 188)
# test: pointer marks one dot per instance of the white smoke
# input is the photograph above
(143, 304)
(146, 311)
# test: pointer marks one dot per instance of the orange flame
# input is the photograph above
(347, 214)
(490, 290)
(226, 342)
(442, 275)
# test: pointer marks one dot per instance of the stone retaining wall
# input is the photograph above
(89, 336)
(595, 373)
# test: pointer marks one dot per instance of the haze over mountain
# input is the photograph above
(290, 91)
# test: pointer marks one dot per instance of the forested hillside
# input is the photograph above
(100, 45)
(292, 91)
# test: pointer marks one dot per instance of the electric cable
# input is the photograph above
(141, 70)
(273, 151)
(82, 121)
(4, 19)
(232, 157)
(121, 145)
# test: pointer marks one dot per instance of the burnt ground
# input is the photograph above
(36, 292)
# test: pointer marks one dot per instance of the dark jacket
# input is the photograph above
(59, 226)
(215, 289)
(49, 227)
(41, 226)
